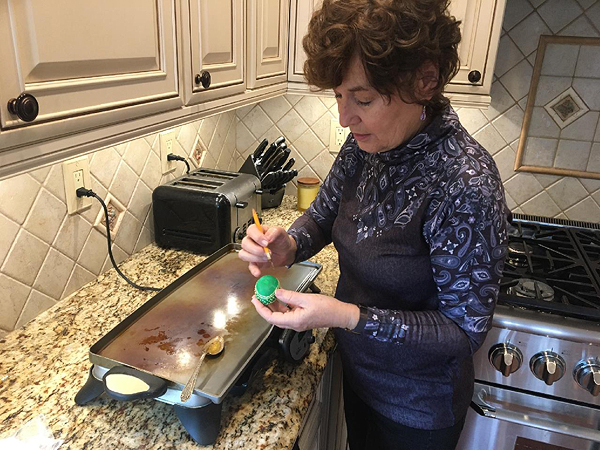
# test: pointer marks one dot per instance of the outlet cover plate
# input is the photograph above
(337, 136)
(199, 152)
(116, 212)
(74, 203)
(167, 145)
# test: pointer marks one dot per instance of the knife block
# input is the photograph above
(270, 198)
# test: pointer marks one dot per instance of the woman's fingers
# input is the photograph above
(292, 298)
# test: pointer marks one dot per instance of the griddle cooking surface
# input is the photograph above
(166, 340)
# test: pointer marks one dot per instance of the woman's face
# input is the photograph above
(377, 125)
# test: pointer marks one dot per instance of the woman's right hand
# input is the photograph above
(281, 244)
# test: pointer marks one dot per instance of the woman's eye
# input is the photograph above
(363, 103)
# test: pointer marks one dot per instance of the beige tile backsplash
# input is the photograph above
(46, 255)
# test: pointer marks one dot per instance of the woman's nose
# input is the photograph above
(347, 115)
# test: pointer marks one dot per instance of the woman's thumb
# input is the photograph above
(290, 297)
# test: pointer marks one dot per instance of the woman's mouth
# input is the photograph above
(360, 137)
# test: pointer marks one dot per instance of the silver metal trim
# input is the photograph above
(529, 420)
(555, 326)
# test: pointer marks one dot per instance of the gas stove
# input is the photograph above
(553, 266)
(547, 321)
(537, 375)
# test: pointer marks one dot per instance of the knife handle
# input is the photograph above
(268, 164)
(277, 165)
(289, 164)
(260, 148)
(267, 154)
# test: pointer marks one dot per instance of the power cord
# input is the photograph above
(174, 157)
(83, 192)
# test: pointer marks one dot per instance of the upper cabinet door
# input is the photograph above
(480, 29)
(267, 42)
(300, 13)
(476, 17)
(78, 58)
(217, 48)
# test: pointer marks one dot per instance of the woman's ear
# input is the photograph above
(427, 80)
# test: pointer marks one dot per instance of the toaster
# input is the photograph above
(205, 209)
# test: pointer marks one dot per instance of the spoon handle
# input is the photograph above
(191, 384)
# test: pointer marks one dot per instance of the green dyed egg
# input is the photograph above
(265, 289)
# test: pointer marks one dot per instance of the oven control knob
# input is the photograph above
(587, 375)
(506, 358)
(547, 366)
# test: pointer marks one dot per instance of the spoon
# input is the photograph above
(213, 348)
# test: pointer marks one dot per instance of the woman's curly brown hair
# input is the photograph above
(392, 39)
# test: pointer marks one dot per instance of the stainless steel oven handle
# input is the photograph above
(486, 410)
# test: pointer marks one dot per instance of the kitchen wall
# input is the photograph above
(46, 254)
(304, 120)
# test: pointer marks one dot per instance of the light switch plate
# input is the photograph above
(337, 136)
(167, 143)
(76, 174)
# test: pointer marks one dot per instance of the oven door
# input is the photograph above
(502, 419)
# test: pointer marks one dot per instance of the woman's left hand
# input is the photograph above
(308, 311)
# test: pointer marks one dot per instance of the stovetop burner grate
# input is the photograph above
(556, 253)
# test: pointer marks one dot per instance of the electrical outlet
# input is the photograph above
(167, 142)
(199, 152)
(76, 174)
(337, 136)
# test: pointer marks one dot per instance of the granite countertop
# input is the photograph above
(44, 364)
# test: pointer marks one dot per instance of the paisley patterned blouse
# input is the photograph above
(421, 236)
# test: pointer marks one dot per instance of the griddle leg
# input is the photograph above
(203, 424)
(90, 390)
(314, 288)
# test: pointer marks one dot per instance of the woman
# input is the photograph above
(416, 210)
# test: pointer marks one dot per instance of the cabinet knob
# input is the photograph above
(25, 107)
(203, 78)
(474, 76)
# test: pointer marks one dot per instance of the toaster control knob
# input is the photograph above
(238, 235)
(241, 205)
(506, 358)
(547, 366)
(587, 375)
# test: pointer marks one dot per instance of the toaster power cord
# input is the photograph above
(174, 157)
(83, 192)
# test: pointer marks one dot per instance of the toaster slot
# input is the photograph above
(214, 174)
(200, 237)
(206, 184)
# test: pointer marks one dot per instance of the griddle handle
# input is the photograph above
(314, 288)
(203, 424)
(156, 386)
(91, 390)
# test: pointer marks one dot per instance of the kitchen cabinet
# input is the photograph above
(480, 28)
(217, 49)
(86, 64)
(267, 42)
(103, 72)
(300, 13)
(236, 54)
(324, 426)
(481, 23)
